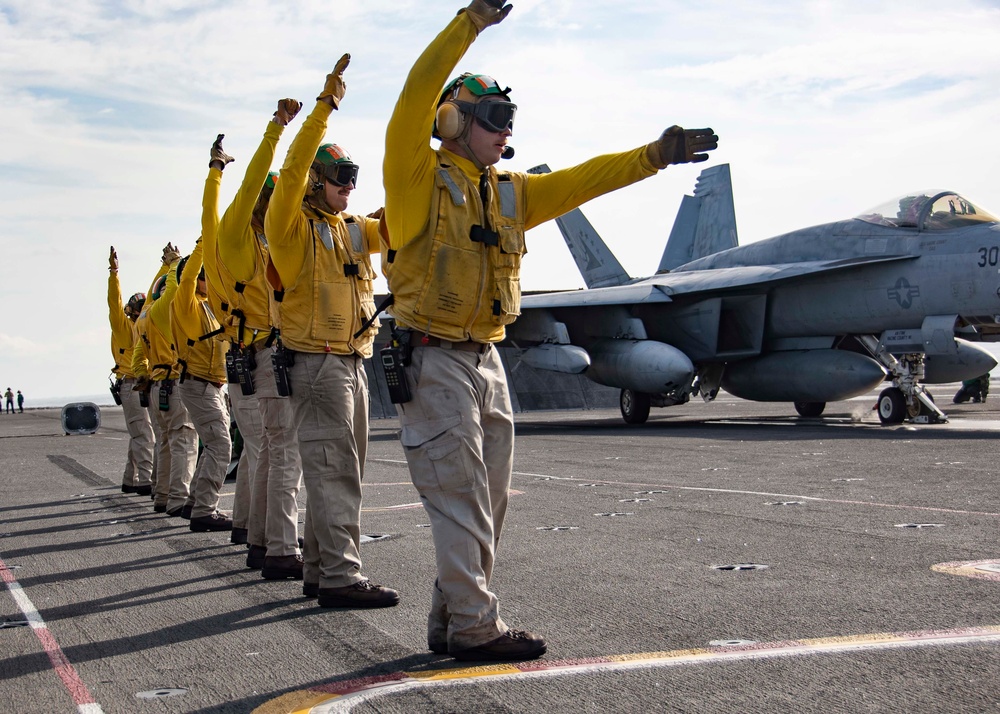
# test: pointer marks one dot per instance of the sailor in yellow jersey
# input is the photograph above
(140, 367)
(203, 375)
(245, 307)
(456, 237)
(137, 477)
(144, 385)
(327, 318)
(178, 447)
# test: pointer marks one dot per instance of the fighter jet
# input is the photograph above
(897, 294)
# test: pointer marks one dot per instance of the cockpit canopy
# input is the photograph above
(929, 211)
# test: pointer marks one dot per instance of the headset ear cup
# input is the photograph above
(450, 121)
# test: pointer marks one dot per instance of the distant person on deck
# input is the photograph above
(20, 402)
(10, 400)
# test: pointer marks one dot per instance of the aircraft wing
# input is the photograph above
(661, 288)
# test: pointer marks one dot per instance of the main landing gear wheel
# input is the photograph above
(634, 406)
(810, 409)
(892, 406)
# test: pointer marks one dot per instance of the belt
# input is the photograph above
(217, 385)
(252, 348)
(419, 340)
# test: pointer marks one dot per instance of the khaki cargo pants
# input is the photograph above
(207, 408)
(139, 465)
(274, 519)
(330, 411)
(458, 436)
(178, 450)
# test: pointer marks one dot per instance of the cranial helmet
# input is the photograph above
(135, 303)
(335, 165)
(462, 98)
(271, 180)
(161, 282)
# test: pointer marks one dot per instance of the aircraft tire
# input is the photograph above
(634, 406)
(810, 409)
(891, 406)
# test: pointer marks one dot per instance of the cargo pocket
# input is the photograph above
(317, 449)
(140, 416)
(437, 456)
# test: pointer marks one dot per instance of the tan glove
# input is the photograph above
(484, 13)
(287, 109)
(681, 146)
(113, 261)
(218, 155)
(335, 87)
(170, 254)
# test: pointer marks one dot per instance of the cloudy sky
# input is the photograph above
(824, 109)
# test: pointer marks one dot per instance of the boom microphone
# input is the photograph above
(508, 152)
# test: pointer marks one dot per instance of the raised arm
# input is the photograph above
(159, 313)
(285, 238)
(187, 311)
(210, 207)
(234, 250)
(116, 308)
(553, 194)
(408, 166)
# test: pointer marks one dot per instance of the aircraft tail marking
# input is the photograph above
(597, 264)
(706, 221)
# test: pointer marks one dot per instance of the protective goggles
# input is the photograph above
(343, 173)
(491, 116)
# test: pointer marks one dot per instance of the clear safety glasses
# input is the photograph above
(491, 116)
(343, 173)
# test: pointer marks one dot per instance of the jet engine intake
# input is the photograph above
(640, 365)
(803, 376)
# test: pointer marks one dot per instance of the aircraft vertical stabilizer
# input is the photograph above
(706, 221)
(598, 265)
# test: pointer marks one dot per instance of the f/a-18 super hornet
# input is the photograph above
(900, 293)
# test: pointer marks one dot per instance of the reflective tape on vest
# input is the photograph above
(457, 197)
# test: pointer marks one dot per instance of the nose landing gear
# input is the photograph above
(907, 398)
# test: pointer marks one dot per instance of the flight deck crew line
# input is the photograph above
(177, 441)
(137, 477)
(456, 237)
(320, 255)
(236, 264)
(203, 374)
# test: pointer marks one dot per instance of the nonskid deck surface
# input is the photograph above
(638, 552)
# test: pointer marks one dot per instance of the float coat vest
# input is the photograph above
(457, 281)
(122, 346)
(159, 349)
(248, 303)
(204, 357)
(334, 294)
